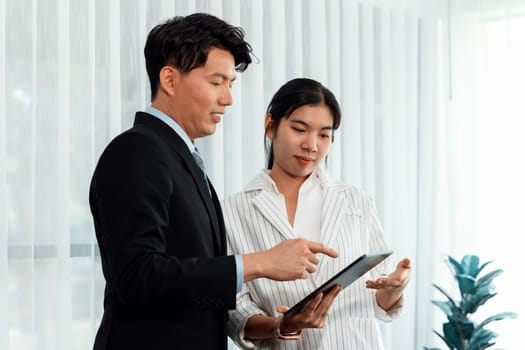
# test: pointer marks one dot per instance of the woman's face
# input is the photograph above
(301, 141)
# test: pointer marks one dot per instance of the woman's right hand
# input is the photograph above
(312, 316)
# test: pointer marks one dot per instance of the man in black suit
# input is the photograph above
(158, 221)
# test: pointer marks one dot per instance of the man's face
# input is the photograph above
(201, 95)
(301, 141)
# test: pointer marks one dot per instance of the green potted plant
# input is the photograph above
(460, 332)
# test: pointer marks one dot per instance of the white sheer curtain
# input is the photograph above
(72, 75)
(482, 143)
(371, 56)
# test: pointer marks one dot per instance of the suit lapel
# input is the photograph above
(178, 145)
(220, 231)
(334, 209)
(204, 193)
(268, 206)
(217, 221)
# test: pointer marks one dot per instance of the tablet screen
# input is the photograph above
(345, 277)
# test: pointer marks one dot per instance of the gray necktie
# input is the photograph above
(198, 159)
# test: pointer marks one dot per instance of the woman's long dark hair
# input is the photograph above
(292, 95)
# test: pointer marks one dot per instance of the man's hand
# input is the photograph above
(289, 260)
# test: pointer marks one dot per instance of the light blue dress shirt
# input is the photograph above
(177, 128)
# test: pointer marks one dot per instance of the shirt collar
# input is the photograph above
(265, 182)
(172, 124)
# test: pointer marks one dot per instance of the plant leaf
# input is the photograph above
(450, 346)
(449, 309)
(483, 266)
(455, 332)
(455, 266)
(497, 317)
(481, 339)
(445, 294)
(471, 304)
(487, 279)
(466, 283)
(465, 328)
(470, 264)
(460, 332)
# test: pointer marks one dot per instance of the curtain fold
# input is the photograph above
(72, 76)
(482, 138)
(4, 324)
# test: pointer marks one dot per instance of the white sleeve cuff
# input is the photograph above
(239, 338)
(391, 314)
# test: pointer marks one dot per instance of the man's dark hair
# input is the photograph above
(184, 43)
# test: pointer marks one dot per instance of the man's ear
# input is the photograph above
(268, 126)
(168, 77)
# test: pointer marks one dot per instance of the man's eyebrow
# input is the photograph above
(305, 124)
(224, 76)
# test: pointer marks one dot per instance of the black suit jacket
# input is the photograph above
(162, 244)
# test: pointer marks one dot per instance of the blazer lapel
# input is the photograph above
(205, 194)
(178, 145)
(334, 208)
(267, 205)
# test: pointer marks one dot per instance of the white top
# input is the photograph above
(307, 221)
(256, 220)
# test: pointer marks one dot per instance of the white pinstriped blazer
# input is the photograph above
(349, 224)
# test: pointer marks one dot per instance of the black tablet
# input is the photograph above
(344, 277)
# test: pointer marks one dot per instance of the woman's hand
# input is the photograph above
(313, 316)
(390, 287)
(394, 281)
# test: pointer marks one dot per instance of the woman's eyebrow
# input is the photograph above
(305, 124)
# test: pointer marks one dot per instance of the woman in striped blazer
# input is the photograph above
(295, 199)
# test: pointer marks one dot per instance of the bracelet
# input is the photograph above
(286, 336)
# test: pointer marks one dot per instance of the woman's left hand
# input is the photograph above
(396, 280)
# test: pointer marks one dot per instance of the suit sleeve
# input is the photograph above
(131, 199)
